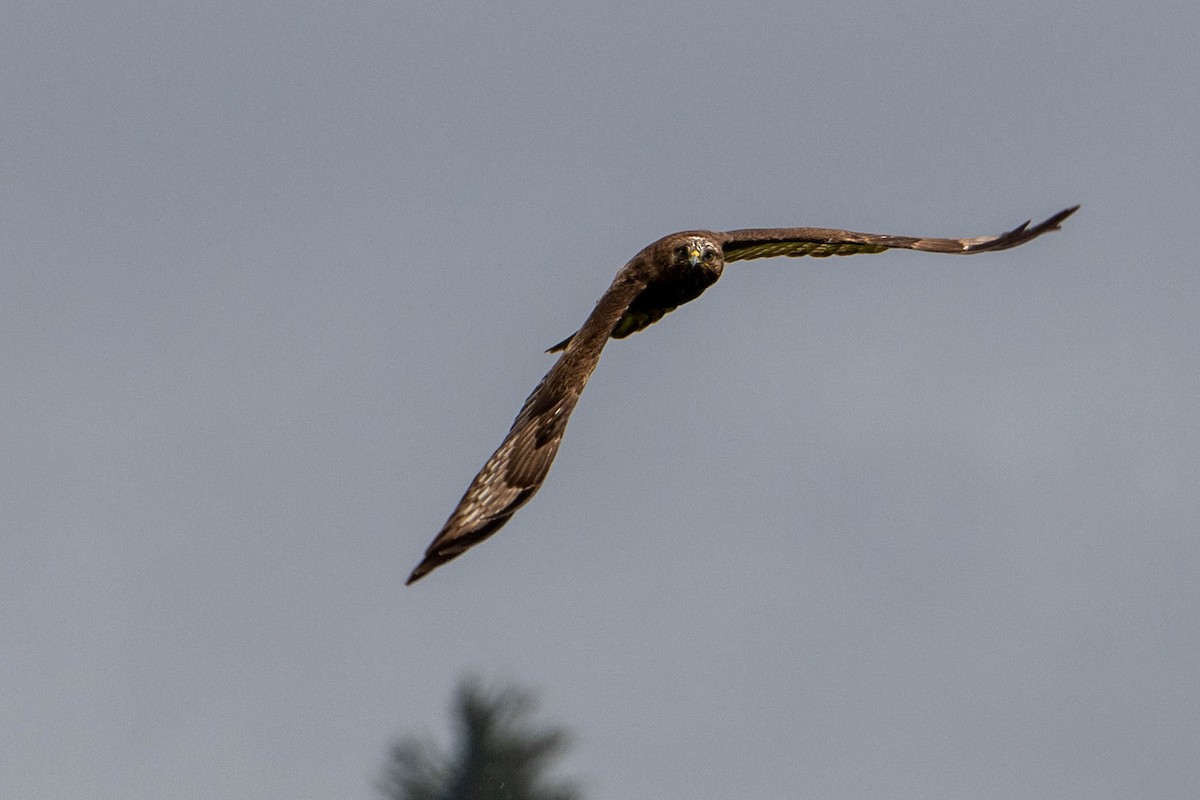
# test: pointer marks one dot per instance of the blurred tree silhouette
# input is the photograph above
(497, 754)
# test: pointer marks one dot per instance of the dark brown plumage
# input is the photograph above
(663, 276)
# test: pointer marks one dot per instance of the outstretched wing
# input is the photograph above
(742, 245)
(519, 466)
(509, 478)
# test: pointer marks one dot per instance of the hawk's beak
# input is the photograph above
(694, 256)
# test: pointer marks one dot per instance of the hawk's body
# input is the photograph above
(663, 276)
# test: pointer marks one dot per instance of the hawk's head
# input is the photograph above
(697, 252)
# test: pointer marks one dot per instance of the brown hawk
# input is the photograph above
(663, 276)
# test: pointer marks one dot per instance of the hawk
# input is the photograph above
(659, 279)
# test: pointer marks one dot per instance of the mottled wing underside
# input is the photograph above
(509, 478)
(519, 466)
(799, 247)
(742, 245)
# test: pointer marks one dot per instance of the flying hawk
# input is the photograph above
(663, 276)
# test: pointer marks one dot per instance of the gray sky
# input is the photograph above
(277, 277)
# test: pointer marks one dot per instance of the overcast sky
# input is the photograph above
(278, 275)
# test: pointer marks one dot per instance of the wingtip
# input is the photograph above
(432, 561)
(1022, 233)
(420, 572)
(1062, 215)
(1053, 223)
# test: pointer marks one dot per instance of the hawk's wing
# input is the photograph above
(742, 245)
(519, 466)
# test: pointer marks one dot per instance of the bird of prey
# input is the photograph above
(662, 277)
